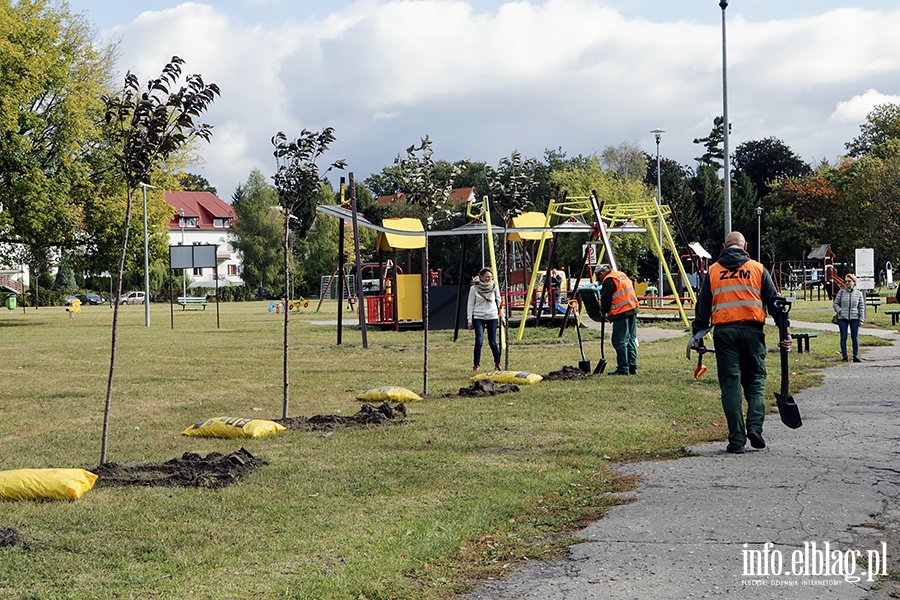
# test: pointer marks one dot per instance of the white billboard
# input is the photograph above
(865, 268)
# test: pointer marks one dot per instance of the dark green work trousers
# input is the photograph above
(624, 340)
(741, 364)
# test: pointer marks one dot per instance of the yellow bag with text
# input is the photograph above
(390, 392)
(231, 427)
(45, 484)
(517, 377)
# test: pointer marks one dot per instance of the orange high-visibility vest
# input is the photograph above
(624, 298)
(737, 293)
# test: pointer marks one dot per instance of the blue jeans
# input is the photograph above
(491, 326)
(854, 336)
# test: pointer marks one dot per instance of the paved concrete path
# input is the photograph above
(695, 520)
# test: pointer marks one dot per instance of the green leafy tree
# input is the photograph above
(65, 279)
(142, 129)
(869, 192)
(882, 124)
(52, 72)
(191, 182)
(258, 232)
(764, 161)
(579, 180)
(298, 181)
(714, 146)
(430, 190)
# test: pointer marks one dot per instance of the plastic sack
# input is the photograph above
(231, 427)
(518, 377)
(390, 392)
(45, 484)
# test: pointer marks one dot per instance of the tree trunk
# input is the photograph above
(426, 278)
(115, 329)
(287, 300)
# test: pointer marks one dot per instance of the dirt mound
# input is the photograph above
(191, 470)
(10, 536)
(566, 373)
(482, 388)
(367, 415)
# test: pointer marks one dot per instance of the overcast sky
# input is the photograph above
(485, 77)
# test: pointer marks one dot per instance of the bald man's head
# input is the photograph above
(735, 238)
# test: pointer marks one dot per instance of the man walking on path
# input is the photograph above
(708, 526)
(733, 298)
(619, 306)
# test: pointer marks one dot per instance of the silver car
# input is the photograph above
(132, 298)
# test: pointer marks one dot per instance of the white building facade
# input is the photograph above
(203, 218)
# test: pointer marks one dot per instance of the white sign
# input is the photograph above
(591, 251)
(865, 268)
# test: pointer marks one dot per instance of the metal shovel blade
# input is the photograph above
(787, 408)
(788, 411)
(584, 366)
(601, 366)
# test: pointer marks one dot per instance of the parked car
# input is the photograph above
(133, 298)
(68, 300)
(91, 298)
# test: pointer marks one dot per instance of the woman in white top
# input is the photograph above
(850, 309)
(484, 313)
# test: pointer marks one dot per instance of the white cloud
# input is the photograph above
(526, 75)
(858, 107)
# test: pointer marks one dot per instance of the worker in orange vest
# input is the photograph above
(733, 299)
(619, 306)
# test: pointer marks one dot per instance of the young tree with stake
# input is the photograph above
(144, 128)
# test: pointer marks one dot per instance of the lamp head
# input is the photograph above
(723, 4)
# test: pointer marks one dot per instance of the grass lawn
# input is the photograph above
(467, 488)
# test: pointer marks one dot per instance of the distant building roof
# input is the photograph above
(203, 206)
(457, 196)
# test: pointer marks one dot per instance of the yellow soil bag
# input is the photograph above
(230, 427)
(390, 392)
(45, 484)
(518, 377)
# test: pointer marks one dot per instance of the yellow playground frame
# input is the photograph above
(647, 215)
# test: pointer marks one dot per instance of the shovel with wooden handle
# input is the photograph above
(787, 407)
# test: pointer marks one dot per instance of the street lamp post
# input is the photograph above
(658, 134)
(183, 273)
(724, 4)
(758, 233)
(146, 259)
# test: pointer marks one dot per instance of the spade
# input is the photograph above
(787, 407)
(601, 366)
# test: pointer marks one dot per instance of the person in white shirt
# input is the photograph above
(484, 313)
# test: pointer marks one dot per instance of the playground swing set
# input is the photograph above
(399, 299)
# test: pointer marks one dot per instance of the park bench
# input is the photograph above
(802, 338)
(193, 301)
(895, 316)
(874, 300)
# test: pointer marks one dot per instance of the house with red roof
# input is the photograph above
(204, 218)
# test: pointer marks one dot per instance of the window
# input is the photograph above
(220, 223)
(232, 269)
(198, 272)
(187, 222)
